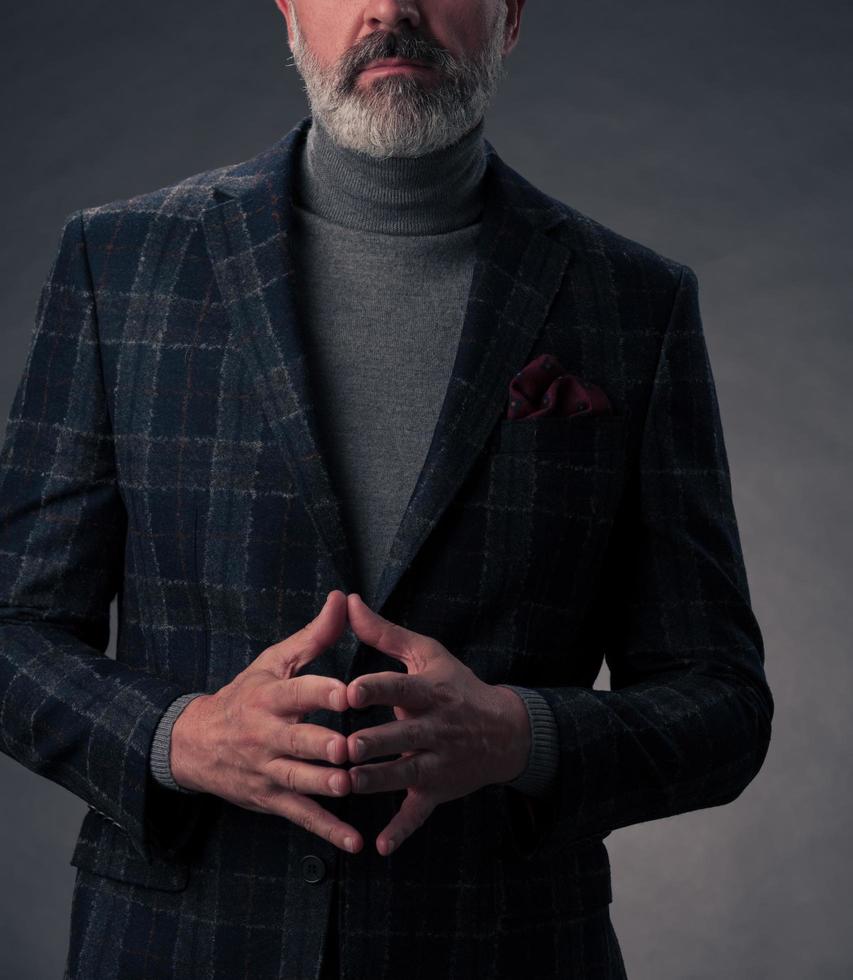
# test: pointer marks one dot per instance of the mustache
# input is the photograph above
(392, 44)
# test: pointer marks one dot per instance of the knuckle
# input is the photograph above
(291, 739)
(285, 667)
(250, 736)
(281, 775)
(449, 731)
(253, 685)
(415, 768)
(443, 691)
(278, 659)
(293, 692)
(322, 750)
(308, 821)
(290, 778)
(263, 798)
(336, 695)
(414, 736)
(300, 692)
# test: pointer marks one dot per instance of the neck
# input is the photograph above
(438, 192)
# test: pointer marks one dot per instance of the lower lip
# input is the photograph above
(394, 69)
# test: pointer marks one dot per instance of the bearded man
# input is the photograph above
(373, 360)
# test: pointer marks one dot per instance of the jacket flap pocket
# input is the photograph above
(578, 871)
(104, 849)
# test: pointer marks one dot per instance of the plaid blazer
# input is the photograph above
(162, 447)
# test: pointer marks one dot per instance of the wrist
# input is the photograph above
(515, 753)
(540, 776)
(183, 746)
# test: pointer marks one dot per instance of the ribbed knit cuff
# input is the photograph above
(161, 743)
(537, 779)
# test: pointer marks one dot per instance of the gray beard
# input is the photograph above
(399, 115)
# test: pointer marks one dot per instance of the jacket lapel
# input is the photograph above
(247, 224)
(517, 273)
(518, 270)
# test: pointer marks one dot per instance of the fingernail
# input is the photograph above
(359, 749)
(335, 698)
(330, 749)
(349, 844)
(390, 846)
(336, 784)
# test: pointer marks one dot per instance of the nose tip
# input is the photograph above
(393, 12)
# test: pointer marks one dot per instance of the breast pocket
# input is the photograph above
(561, 434)
(554, 486)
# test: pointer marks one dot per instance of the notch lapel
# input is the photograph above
(518, 270)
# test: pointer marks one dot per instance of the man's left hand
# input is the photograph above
(455, 733)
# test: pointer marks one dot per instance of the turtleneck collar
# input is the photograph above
(439, 192)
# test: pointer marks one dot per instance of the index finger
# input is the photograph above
(391, 687)
(299, 695)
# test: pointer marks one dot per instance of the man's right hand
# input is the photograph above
(247, 742)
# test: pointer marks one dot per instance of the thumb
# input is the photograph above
(307, 643)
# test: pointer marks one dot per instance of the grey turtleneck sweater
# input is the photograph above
(384, 253)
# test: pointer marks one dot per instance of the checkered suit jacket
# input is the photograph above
(162, 447)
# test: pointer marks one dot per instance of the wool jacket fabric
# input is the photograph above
(162, 447)
(384, 252)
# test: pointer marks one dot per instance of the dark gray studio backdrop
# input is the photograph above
(715, 131)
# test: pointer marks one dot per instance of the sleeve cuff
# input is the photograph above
(538, 778)
(162, 741)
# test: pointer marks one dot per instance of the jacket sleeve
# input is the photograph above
(686, 723)
(67, 711)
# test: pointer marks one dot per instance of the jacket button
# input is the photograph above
(313, 868)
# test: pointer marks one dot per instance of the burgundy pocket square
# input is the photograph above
(543, 387)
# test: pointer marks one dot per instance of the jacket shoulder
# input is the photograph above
(627, 260)
(624, 255)
(182, 200)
